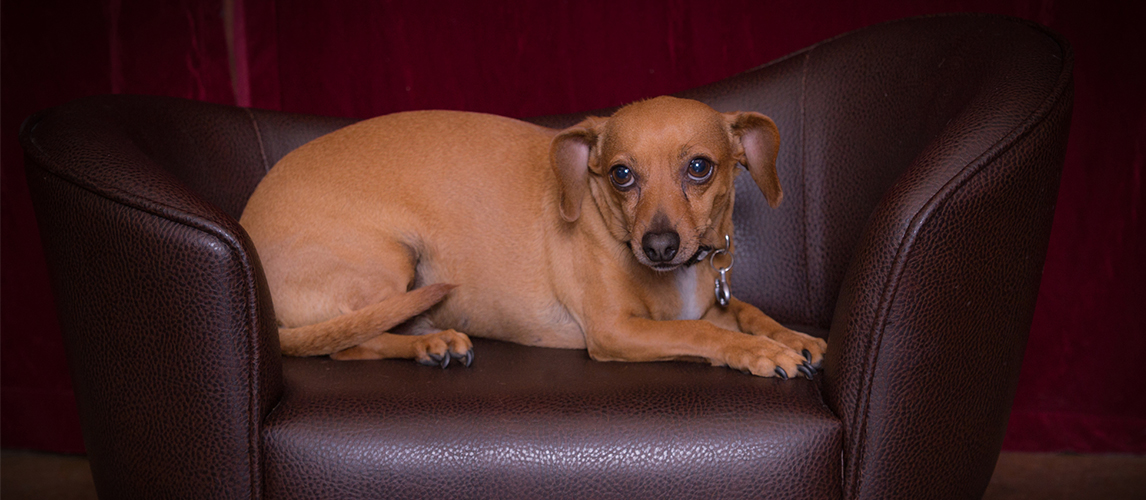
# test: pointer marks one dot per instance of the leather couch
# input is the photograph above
(920, 163)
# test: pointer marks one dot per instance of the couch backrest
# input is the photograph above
(857, 115)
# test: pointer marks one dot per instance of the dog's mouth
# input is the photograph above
(698, 256)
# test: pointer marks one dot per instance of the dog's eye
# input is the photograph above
(622, 177)
(699, 170)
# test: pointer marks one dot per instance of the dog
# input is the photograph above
(400, 236)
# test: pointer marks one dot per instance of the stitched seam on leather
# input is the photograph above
(954, 185)
(254, 451)
(804, 181)
(132, 202)
(259, 138)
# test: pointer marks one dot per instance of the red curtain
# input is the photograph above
(1081, 379)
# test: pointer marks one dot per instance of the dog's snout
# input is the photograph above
(661, 247)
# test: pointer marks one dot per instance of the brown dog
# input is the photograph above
(388, 238)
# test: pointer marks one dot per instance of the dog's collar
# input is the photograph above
(701, 253)
(705, 251)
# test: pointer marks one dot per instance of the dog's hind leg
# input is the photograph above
(347, 304)
(428, 349)
(360, 326)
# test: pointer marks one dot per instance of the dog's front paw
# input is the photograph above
(437, 349)
(764, 357)
(810, 347)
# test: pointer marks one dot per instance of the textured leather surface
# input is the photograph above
(168, 325)
(281, 133)
(919, 160)
(931, 322)
(528, 422)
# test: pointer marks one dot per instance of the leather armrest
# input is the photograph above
(920, 162)
(168, 325)
(933, 313)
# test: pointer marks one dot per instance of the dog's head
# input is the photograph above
(661, 173)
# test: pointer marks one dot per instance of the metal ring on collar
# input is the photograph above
(718, 251)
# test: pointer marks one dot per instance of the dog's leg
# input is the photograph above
(348, 306)
(641, 339)
(356, 327)
(416, 339)
(754, 321)
(428, 349)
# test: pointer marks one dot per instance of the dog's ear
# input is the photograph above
(570, 154)
(760, 139)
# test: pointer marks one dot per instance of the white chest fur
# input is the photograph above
(691, 305)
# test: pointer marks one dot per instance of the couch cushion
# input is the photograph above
(546, 423)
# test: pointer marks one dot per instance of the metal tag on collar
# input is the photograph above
(723, 291)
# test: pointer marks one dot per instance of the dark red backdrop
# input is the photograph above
(1082, 381)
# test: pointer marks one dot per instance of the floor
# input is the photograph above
(28, 475)
(1046, 476)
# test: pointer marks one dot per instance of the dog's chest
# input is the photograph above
(692, 306)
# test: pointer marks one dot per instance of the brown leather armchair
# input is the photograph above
(920, 164)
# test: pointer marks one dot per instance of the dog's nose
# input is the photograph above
(660, 247)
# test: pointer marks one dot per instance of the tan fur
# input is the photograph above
(448, 222)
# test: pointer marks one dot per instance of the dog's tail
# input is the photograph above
(353, 328)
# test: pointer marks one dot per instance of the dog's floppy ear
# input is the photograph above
(570, 154)
(760, 139)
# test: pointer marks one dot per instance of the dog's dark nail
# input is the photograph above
(805, 370)
(465, 358)
(810, 367)
(807, 355)
(783, 374)
(445, 361)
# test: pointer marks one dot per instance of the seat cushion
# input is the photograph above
(546, 423)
